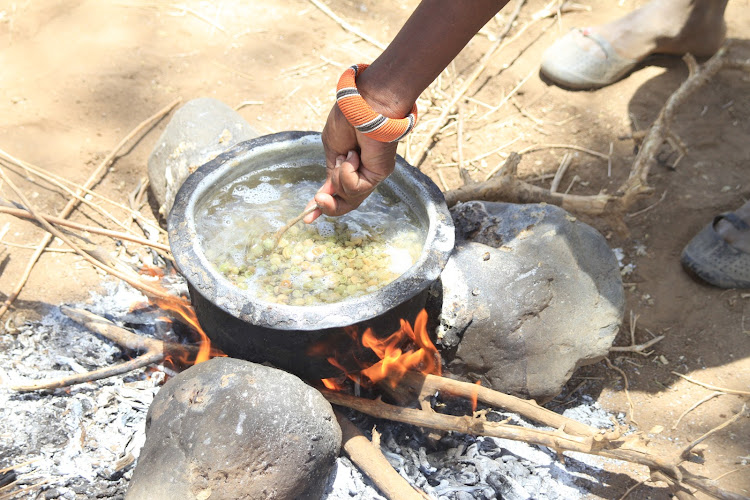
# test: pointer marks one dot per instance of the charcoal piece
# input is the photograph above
(51, 494)
(529, 295)
(233, 429)
(198, 132)
(7, 477)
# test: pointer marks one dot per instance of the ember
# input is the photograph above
(405, 350)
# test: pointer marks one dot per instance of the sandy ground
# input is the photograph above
(76, 76)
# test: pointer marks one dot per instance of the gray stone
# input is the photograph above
(231, 429)
(529, 295)
(198, 132)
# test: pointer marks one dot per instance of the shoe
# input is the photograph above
(568, 65)
(709, 257)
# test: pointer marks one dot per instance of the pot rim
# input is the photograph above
(205, 278)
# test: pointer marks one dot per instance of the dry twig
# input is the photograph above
(694, 406)
(630, 490)
(66, 184)
(685, 453)
(631, 406)
(88, 257)
(71, 205)
(713, 387)
(564, 164)
(643, 211)
(637, 183)
(633, 347)
(418, 156)
(26, 489)
(538, 147)
(25, 214)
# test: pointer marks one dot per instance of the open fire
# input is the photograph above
(407, 349)
(179, 308)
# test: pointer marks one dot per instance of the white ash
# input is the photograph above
(625, 269)
(82, 438)
(79, 438)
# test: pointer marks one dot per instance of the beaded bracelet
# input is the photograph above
(363, 117)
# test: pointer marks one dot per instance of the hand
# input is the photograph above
(355, 165)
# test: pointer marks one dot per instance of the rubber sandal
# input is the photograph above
(709, 257)
(568, 65)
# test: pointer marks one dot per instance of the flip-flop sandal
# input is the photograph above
(715, 261)
(568, 65)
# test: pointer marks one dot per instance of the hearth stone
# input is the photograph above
(231, 429)
(198, 132)
(529, 295)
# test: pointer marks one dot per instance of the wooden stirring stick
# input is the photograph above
(283, 230)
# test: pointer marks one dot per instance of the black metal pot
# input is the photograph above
(299, 339)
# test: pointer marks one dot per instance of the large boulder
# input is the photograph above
(529, 295)
(197, 133)
(231, 429)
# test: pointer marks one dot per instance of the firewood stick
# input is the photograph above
(506, 187)
(526, 408)
(73, 203)
(556, 440)
(708, 486)
(79, 378)
(155, 349)
(25, 214)
(465, 424)
(370, 460)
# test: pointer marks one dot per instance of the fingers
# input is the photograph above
(310, 218)
(333, 198)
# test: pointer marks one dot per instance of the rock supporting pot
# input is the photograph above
(299, 339)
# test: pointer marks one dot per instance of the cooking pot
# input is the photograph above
(300, 339)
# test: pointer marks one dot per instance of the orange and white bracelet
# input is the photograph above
(363, 117)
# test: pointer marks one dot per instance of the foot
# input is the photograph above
(720, 253)
(665, 27)
(611, 50)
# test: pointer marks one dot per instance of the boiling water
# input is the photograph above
(333, 259)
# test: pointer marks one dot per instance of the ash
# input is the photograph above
(83, 441)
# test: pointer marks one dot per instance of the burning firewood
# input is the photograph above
(156, 351)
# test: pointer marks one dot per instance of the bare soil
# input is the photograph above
(77, 75)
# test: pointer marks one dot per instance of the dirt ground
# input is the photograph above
(77, 76)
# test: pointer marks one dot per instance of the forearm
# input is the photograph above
(433, 35)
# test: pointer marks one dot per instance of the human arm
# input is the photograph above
(432, 36)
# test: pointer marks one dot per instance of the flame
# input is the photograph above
(152, 271)
(474, 395)
(181, 309)
(405, 350)
(332, 384)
